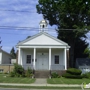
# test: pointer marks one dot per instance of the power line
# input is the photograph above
(28, 28)
(29, 11)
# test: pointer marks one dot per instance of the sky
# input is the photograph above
(15, 14)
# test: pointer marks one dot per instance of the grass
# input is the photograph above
(5, 78)
(63, 80)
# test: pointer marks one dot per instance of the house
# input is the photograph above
(5, 58)
(5, 62)
(43, 51)
(83, 64)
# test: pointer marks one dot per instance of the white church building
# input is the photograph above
(43, 51)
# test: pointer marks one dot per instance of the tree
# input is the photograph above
(13, 54)
(72, 18)
(28, 37)
(0, 42)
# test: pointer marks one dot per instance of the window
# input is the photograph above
(28, 59)
(56, 59)
(1, 70)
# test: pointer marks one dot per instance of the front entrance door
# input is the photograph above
(42, 61)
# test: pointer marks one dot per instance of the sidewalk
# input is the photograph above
(52, 85)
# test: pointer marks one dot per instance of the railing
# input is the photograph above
(57, 67)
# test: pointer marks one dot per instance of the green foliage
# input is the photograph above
(28, 72)
(18, 71)
(72, 18)
(55, 75)
(68, 75)
(73, 73)
(12, 74)
(12, 53)
(87, 51)
(86, 75)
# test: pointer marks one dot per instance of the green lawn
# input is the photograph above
(5, 78)
(67, 81)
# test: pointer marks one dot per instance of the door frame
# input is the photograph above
(40, 63)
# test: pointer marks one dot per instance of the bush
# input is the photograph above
(28, 72)
(54, 75)
(74, 71)
(86, 75)
(12, 74)
(18, 71)
(68, 75)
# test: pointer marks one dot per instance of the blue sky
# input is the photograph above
(10, 37)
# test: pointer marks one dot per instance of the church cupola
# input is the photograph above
(43, 26)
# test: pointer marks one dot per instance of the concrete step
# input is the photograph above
(42, 74)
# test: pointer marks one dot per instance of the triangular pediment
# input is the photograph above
(42, 39)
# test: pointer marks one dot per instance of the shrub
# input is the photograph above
(54, 75)
(12, 74)
(18, 71)
(86, 75)
(74, 71)
(68, 75)
(28, 72)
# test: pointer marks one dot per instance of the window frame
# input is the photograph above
(27, 59)
(55, 59)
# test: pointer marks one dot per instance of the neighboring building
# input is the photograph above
(43, 51)
(5, 62)
(83, 64)
(13, 61)
(5, 58)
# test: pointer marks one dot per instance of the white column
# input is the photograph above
(65, 55)
(21, 56)
(49, 58)
(19, 59)
(34, 58)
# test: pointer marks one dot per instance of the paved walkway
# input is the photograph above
(40, 81)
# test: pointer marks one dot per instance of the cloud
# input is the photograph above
(19, 19)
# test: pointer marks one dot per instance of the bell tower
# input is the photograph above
(43, 26)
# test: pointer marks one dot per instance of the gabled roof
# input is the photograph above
(42, 38)
(4, 52)
(83, 61)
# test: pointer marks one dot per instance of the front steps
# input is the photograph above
(42, 73)
(47, 73)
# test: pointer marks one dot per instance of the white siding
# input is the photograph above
(6, 58)
(43, 40)
(61, 65)
(24, 54)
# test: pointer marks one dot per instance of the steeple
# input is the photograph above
(43, 26)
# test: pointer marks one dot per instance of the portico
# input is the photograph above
(43, 58)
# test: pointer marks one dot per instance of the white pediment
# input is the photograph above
(42, 39)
